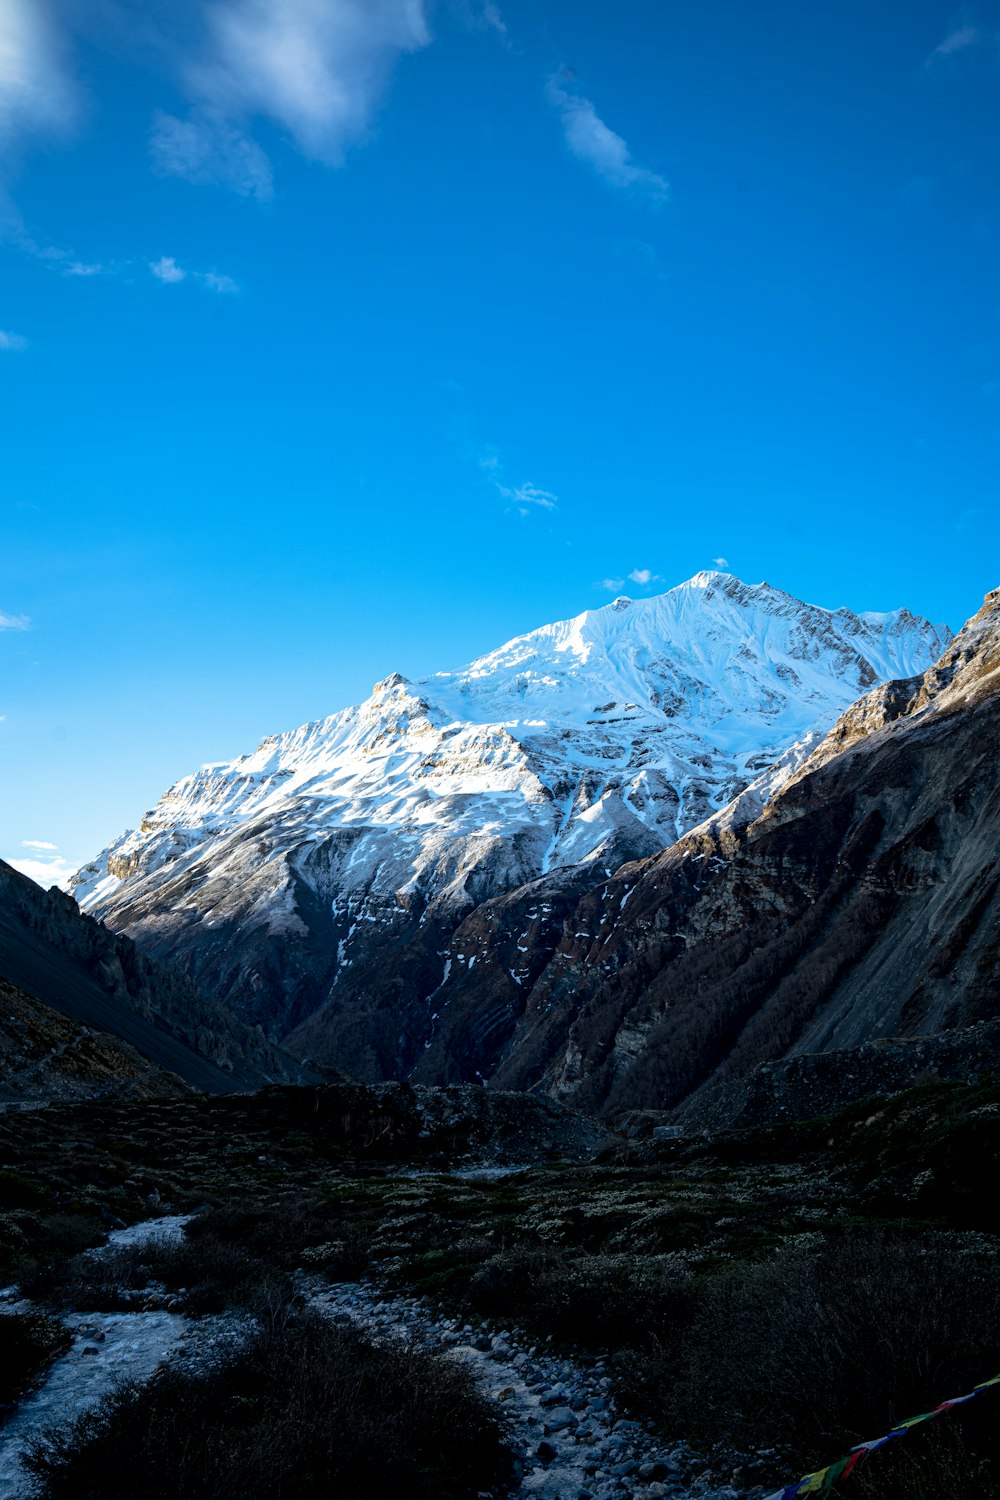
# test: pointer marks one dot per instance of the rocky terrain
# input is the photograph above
(44, 1055)
(861, 903)
(673, 1316)
(340, 884)
(566, 1433)
(818, 1083)
(87, 1013)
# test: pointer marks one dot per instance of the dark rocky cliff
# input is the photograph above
(863, 903)
(86, 975)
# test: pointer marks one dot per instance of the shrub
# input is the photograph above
(598, 1301)
(815, 1350)
(305, 1410)
(17, 1191)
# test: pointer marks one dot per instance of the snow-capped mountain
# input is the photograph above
(278, 876)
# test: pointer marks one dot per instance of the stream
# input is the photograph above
(570, 1441)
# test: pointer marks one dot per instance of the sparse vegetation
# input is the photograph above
(837, 1274)
(304, 1409)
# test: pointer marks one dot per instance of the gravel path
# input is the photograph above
(572, 1443)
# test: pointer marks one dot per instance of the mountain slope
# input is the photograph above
(46, 1056)
(51, 953)
(317, 883)
(864, 902)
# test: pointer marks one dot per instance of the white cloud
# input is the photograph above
(38, 844)
(594, 142)
(314, 68)
(168, 271)
(81, 268)
(643, 576)
(45, 872)
(721, 562)
(14, 622)
(13, 343)
(612, 584)
(36, 93)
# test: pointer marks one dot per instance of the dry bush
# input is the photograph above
(598, 1301)
(817, 1349)
(305, 1410)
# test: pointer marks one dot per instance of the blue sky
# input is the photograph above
(350, 336)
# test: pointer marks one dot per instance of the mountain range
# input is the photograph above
(414, 887)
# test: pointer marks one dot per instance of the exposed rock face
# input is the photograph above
(56, 960)
(809, 1084)
(341, 884)
(864, 902)
(45, 1056)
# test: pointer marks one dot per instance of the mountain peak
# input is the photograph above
(566, 752)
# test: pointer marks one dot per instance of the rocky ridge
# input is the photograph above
(864, 902)
(44, 1056)
(336, 884)
(91, 1014)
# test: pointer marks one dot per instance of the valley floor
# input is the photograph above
(689, 1317)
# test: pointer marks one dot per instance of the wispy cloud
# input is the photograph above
(959, 40)
(612, 584)
(38, 844)
(529, 494)
(14, 622)
(314, 68)
(491, 19)
(482, 15)
(522, 497)
(590, 139)
(170, 273)
(965, 37)
(216, 283)
(12, 343)
(36, 91)
(721, 562)
(208, 149)
(643, 256)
